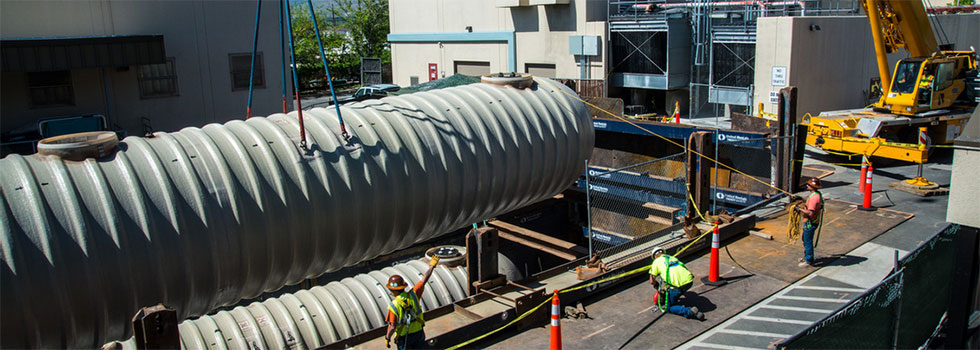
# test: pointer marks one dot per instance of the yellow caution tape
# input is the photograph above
(696, 210)
(841, 164)
(673, 142)
(629, 273)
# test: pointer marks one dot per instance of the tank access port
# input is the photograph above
(516, 80)
(79, 146)
(449, 255)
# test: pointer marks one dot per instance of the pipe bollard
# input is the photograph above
(555, 322)
(864, 173)
(713, 279)
(867, 191)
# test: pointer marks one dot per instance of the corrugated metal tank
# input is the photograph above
(313, 318)
(201, 218)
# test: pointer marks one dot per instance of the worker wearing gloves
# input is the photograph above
(812, 213)
(405, 311)
(677, 279)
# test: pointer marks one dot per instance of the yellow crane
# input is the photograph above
(926, 101)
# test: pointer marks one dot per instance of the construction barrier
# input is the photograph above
(906, 310)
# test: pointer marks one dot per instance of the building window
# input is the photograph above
(241, 66)
(49, 89)
(540, 69)
(158, 80)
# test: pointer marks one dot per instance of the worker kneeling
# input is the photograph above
(405, 311)
(676, 279)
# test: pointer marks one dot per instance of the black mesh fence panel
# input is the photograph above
(865, 323)
(903, 311)
(929, 270)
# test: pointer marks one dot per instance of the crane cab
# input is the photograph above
(924, 84)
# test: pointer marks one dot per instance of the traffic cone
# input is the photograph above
(555, 322)
(677, 112)
(867, 191)
(864, 173)
(713, 279)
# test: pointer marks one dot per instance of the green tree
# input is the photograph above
(367, 21)
(350, 29)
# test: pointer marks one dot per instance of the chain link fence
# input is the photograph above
(904, 311)
(628, 203)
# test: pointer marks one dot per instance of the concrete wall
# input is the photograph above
(963, 188)
(832, 67)
(541, 35)
(199, 35)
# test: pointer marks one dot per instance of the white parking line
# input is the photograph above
(832, 289)
(754, 333)
(793, 308)
(775, 320)
(826, 300)
(715, 346)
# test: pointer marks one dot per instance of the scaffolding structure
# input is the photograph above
(717, 66)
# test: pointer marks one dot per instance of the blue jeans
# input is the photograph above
(672, 295)
(808, 230)
(412, 341)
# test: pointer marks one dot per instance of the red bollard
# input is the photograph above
(867, 192)
(555, 322)
(864, 173)
(713, 279)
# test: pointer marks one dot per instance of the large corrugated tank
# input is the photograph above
(201, 218)
(313, 318)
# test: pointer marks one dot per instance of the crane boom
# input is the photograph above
(902, 24)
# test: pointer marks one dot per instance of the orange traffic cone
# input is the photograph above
(677, 112)
(866, 206)
(713, 279)
(555, 322)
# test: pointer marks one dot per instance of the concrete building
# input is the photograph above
(431, 39)
(831, 60)
(157, 64)
(963, 187)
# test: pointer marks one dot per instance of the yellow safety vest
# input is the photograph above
(408, 312)
(671, 270)
(926, 82)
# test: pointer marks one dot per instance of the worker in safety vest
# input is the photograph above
(676, 278)
(812, 213)
(925, 88)
(405, 311)
(926, 82)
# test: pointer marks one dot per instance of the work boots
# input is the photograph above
(695, 314)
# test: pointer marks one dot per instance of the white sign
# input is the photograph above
(773, 97)
(722, 137)
(778, 76)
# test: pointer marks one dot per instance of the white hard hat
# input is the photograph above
(655, 250)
